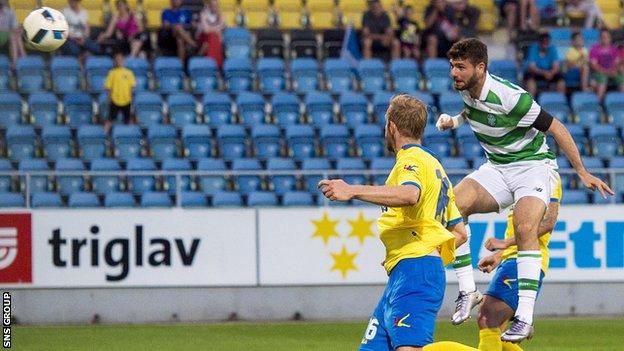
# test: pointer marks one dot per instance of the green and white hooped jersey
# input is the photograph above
(501, 119)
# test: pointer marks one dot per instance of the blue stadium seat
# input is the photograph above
(38, 183)
(369, 141)
(152, 199)
(478, 161)
(305, 75)
(587, 108)
(251, 109)
(192, 199)
(437, 72)
(297, 198)
(20, 141)
(428, 99)
(266, 141)
(103, 105)
(197, 141)
(247, 183)
(176, 164)
(451, 103)
(338, 75)
(97, 68)
(335, 141)
(455, 164)
(561, 36)
(578, 134)
(591, 36)
(381, 100)
(575, 197)
(217, 109)
(65, 72)
(300, 140)
(11, 200)
(91, 142)
(605, 140)
(141, 183)
(78, 109)
(203, 74)
(104, 184)
(351, 164)
(118, 200)
(43, 108)
(618, 163)
(163, 141)
(67, 184)
(556, 104)
(140, 68)
(169, 74)
(281, 183)
(614, 103)
(5, 180)
(314, 164)
(354, 108)
(440, 142)
(231, 141)
(270, 73)
(148, 107)
(237, 42)
(5, 73)
(227, 199)
(467, 143)
(30, 73)
(182, 109)
(506, 69)
(405, 74)
(56, 142)
(319, 108)
(372, 73)
(237, 72)
(47, 199)
(382, 163)
(127, 141)
(11, 107)
(83, 200)
(211, 184)
(568, 180)
(286, 109)
(261, 199)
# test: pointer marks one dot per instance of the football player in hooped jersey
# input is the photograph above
(419, 226)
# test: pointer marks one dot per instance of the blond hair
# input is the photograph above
(408, 114)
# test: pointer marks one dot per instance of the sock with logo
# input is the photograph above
(463, 265)
(529, 270)
(448, 346)
(489, 339)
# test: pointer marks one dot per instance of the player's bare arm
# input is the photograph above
(489, 263)
(384, 195)
(461, 235)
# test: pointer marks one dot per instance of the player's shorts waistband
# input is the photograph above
(418, 265)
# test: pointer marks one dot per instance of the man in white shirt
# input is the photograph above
(78, 41)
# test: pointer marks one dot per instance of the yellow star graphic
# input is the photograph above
(361, 228)
(325, 228)
(343, 261)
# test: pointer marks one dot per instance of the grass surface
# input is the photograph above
(551, 334)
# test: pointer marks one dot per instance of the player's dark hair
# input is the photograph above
(471, 49)
(544, 36)
(408, 114)
(576, 35)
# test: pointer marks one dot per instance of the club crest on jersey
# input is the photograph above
(491, 119)
(410, 168)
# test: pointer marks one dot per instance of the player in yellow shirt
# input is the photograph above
(418, 226)
(577, 59)
(119, 84)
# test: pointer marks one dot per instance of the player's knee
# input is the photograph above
(525, 230)
(485, 316)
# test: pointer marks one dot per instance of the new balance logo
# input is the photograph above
(8, 246)
(539, 190)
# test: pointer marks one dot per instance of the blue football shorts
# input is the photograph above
(504, 285)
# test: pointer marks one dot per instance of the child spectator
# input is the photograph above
(409, 34)
(119, 84)
(604, 60)
(577, 60)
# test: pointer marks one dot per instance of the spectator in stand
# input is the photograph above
(577, 60)
(10, 32)
(127, 31)
(589, 9)
(543, 67)
(521, 14)
(377, 33)
(604, 60)
(409, 34)
(441, 30)
(210, 31)
(174, 37)
(467, 17)
(78, 42)
(119, 84)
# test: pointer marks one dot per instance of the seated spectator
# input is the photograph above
(409, 34)
(441, 30)
(543, 67)
(210, 30)
(377, 34)
(10, 32)
(78, 42)
(127, 31)
(119, 84)
(604, 60)
(588, 9)
(467, 17)
(577, 60)
(520, 14)
(174, 37)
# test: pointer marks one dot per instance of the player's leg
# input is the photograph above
(376, 337)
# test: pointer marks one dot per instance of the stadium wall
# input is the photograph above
(67, 266)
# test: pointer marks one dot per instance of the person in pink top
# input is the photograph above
(604, 60)
(127, 31)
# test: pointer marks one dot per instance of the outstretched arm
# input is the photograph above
(386, 195)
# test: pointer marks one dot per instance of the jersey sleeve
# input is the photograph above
(522, 109)
(409, 172)
(453, 216)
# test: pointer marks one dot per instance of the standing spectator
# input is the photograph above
(377, 34)
(591, 11)
(577, 60)
(441, 30)
(78, 42)
(174, 37)
(10, 32)
(467, 17)
(409, 34)
(604, 60)
(543, 66)
(119, 84)
(210, 31)
(127, 31)
(522, 14)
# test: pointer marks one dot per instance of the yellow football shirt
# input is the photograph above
(579, 57)
(512, 251)
(415, 231)
(120, 82)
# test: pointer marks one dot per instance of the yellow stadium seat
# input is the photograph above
(388, 4)
(255, 5)
(156, 5)
(229, 17)
(609, 6)
(96, 18)
(55, 4)
(321, 6)
(483, 5)
(487, 22)
(612, 20)
(20, 14)
(354, 18)
(290, 20)
(97, 5)
(418, 5)
(153, 18)
(257, 19)
(322, 20)
(228, 5)
(287, 5)
(352, 6)
(24, 4)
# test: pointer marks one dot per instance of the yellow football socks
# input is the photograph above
(448, 346)
(489, 339)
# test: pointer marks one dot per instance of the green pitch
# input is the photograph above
(551, 334)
